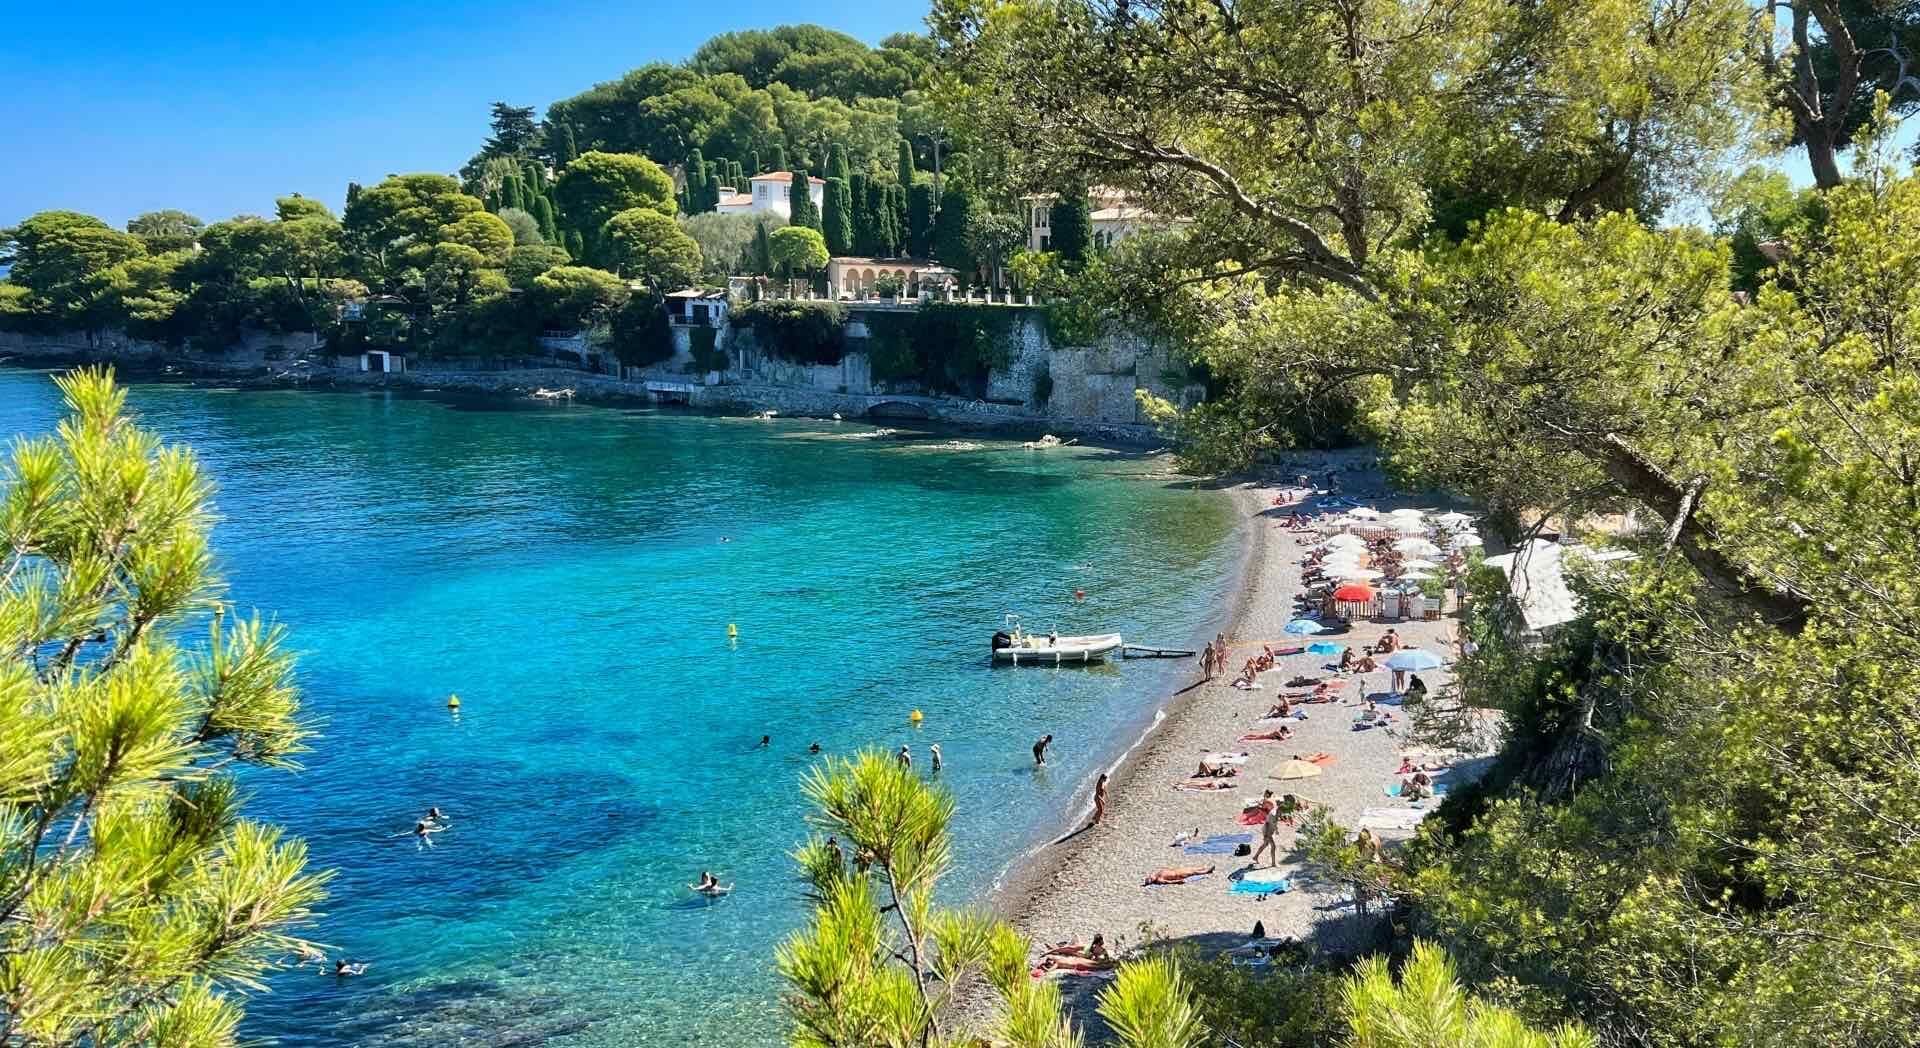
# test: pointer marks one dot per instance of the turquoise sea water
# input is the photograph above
(563, 570)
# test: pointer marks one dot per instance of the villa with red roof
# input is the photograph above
(768, 192)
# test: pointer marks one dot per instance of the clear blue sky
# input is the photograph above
(217, 107)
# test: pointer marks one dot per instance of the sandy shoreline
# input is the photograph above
(1090, 881)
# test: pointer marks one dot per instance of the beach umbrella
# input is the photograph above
(1418, 564)
(1296, 769)
(1414, 576)
(1304, 627)
(1410, 526)
(1340, 558)
(1417, 547)
(1345, 542)
(1413, 659)
(1364, 513)
(1353, 591)
(1464, 540)
(1363, 574)
(1450, 519)
(1408, 512)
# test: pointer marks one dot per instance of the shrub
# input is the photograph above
(707, 356)
(803, 332)
(641, 333)
(949, 347)
(888, 285)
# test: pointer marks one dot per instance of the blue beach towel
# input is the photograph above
(1324, 649)
(1246, 887)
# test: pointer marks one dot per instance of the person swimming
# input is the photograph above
(342, 969)
(434, 816)
(710, 885)
(423, 832)
(814, 749)
(765, 741)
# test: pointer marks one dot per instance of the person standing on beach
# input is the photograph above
(1099, 800)
(1040, 751)
(1268, 829)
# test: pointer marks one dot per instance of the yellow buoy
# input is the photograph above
(916, 717)
(732, 630)
(453, 702)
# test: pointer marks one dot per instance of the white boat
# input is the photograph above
(1051, 649)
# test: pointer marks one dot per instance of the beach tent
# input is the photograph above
(1413, 659)
(1353, 591)
(1296, 769)
(1304, 627)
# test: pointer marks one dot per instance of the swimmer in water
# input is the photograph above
(935, 751)
(709, 885)
(434, 816)
(342, 969)
(815, 748)
(905, 757)
(423, 832)
(766, 741)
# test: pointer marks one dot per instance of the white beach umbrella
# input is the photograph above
(1363, 574)
(1417, 547)
(1464, 540)
(1415, 576)
(1364, 513)
(1353, 542)
(1418, 564)
(1450, 519)
(1407, 512)
(1410, 526)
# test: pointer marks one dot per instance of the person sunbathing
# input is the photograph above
(1215, 770)
(1248, 675)
(1201, 785)
(1283, 708)
(1346, 659)
(1176, 874)
(1075, 964)
(1280, 734)
(1365, 665)
(1095, 950)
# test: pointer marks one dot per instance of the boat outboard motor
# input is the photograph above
(1002, 639)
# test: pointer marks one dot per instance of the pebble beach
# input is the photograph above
(1090, 880)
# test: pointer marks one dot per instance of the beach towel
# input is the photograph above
(1288, 651)
(1260, 887)
(1220, 844)
(1322, 759)
(1226, 758)
(1323, 649)
(1192, 787)
(1393, 818)
(1255, 817)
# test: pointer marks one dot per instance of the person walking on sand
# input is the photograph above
(934, 751)
(1099, 800)
(1268, 829)
(1040, 751)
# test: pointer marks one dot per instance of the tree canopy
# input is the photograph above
(650, 246)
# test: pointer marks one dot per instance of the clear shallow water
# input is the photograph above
(561, 569)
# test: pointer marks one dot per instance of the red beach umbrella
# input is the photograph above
(1353, 591)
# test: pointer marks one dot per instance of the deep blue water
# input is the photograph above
(563, 570)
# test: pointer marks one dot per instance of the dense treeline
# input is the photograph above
(1698, 829)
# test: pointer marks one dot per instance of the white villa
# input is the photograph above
(768, 192)
(1115, 218)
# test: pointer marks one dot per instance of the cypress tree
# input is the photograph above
(800, 209)
(949, 240)
(863, 238)
(511, 195)
(1071, 217)
(696, 169)
(536, 177)
(543, 214)
(920, 221)
(576, 246)
(761, 261)
(779, 157)
(897, 219)
(836, 217)
(837, 163)
(569, 152)
(736, 176)
(716, 171)
(753, 162)
(903, 164)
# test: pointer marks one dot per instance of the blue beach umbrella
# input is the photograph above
(1304, 627)
(1413, 659)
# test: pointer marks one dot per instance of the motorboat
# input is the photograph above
(1017, 646)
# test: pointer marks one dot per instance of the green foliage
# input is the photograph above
(527, 262)
(596, 186)
(645, 244)
(523, 226)
(61, 259)
(390, 228)
(800, 207)
(295, 207)
(1286, 1004)
(642, 334)
(728, 242)
(1070, 220)
(797, 249)
(943, 346)
(168, 230)
(1148, 1006)
(919, 232)
(836, 216)
(577, 296)
(703, 348)
(803, 332)
(139, 901)
(949, 242)
(1427, 1008)
(903, 163)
